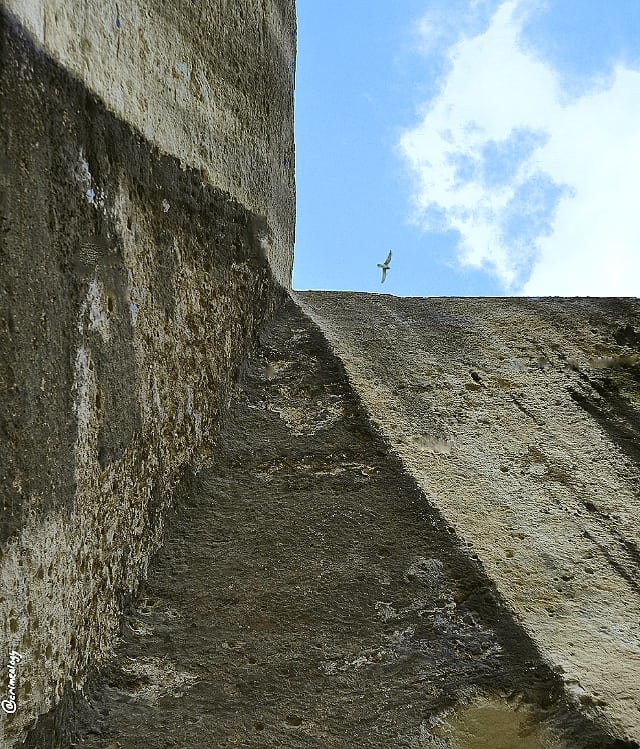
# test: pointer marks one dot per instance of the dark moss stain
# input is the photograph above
(616, 414)
(631, 576)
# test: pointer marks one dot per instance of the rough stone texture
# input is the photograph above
(130, 290)
(309, 595)
(520, 421)
(312, 592)
(210, 83)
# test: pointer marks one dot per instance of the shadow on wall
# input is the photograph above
(130, 291)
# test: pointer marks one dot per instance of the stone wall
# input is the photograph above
(520, 421)
(210, 83)
(146, 227)
(308, 594)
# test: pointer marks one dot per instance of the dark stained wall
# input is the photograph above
(131, 287)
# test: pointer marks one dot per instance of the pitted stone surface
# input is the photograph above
(130, 290)
(209, 83)
(309, 595)
(520, 420)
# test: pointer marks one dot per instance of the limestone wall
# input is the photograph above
(520, 420)
(146, 227)
(210, 83)
(309, 595)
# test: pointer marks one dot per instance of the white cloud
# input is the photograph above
(444, 22)
(542, 189)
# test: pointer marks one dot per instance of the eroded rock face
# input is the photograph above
(130, 290)
(310, 595)
(520, 421)
(209, 83)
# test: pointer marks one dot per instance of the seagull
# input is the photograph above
(385, 266)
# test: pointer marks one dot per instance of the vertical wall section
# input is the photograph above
(146, 231)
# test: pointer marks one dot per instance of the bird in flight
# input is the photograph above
(385, 266)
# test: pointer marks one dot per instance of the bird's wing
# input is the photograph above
(384, 274)
(388, 260)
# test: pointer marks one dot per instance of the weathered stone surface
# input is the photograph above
(210, 83)
(130, 290)
(469, 570)
(309, 595)
(520, 421)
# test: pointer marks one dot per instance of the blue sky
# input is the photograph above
(493, 145)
